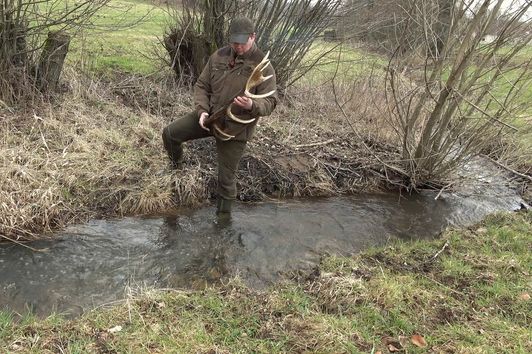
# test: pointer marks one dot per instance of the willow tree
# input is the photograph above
(448, 105)
(287, 28)
(194, 32)
(34, 40)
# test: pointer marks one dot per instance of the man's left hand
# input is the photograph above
(244, 102)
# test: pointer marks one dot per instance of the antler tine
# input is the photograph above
(265, 66)
(224, 135)
(236, 119)
(255, 79)
(251, 95)
(253, 82)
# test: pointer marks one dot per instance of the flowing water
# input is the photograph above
(98, 262)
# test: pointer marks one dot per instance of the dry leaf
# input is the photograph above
(392, 344)
(403, 340)
(115, 329)
(525, 296)
(392, 348)
(418, 341)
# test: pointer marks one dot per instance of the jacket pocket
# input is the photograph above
(218, 74)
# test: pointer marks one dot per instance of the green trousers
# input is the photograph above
(229, 152)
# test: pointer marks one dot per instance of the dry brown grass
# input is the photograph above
(96, 152)
(313, 112)
(85, 156)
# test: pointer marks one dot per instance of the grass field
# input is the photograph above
(123, 39)
(468, 292)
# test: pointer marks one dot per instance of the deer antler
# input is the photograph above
(223, 135)
(256, 78)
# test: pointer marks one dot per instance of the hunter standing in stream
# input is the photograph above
(236, 87)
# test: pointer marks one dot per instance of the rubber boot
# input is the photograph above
(223, 206)
(223, 213)
(175, 151)
(176, 157)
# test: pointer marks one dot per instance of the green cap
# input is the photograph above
(240, 29)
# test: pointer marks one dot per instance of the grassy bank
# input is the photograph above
(468, 292)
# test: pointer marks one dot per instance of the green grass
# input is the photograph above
(466, 292)
(520, 104)
(126, 33)
(522, 121)
(343, 63)
(123, 39)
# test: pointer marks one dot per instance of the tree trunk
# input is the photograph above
(51, 60)
(188, 54)
(201, 50)
(213, 22)
(443, 25)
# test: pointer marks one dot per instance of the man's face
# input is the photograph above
(243, 48)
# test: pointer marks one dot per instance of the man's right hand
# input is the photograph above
(202, 118)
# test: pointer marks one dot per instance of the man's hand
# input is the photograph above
(202, 118)
(244, 102)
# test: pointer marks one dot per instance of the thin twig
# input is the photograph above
(23, 245)
(510, 169)
(437, 254)
(490, 116)
(441, 190)
(314, 144)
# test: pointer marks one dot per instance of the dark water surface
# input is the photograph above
(100, 261)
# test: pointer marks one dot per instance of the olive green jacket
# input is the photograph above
(224, 78)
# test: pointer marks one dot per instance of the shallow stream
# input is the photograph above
(101, 261)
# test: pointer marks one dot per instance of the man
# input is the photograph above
(222, 82)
